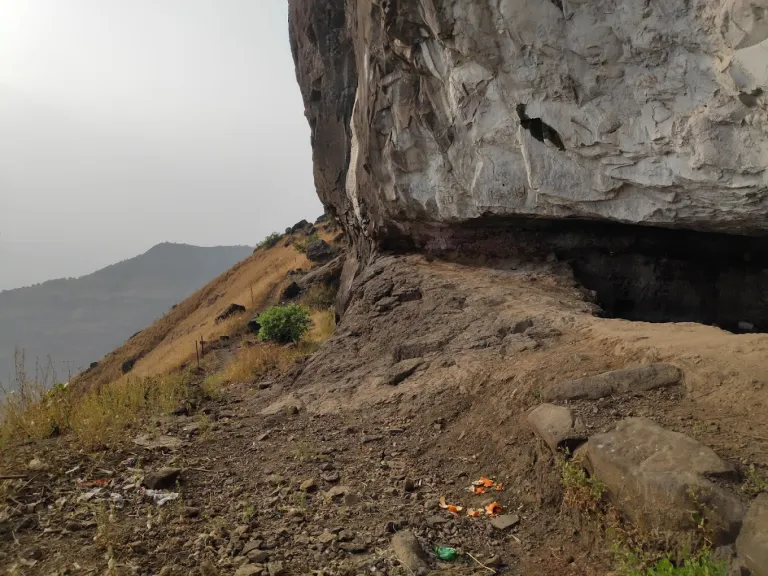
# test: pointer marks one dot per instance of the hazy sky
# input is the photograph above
(124, 123)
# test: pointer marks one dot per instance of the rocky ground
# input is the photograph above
(427, 386)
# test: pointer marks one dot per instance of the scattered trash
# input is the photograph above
(484, 484)
(88, 496)
(160, 497)
(493, 508)
(117, 499)
(90, 483)
(474, 512)
(447, 554)
(450, 507)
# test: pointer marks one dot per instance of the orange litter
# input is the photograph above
(499, 487)
(485, 482)
(493, 508)
(97, 482)
(478, 490)
(450, 507)
(473, 513)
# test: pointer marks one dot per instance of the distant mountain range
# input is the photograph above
(77, 321)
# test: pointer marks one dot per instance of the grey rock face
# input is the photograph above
(445, 111)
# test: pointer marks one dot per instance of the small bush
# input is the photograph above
(270, 241)
(284, 323)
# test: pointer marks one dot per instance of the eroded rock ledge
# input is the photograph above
(450, 111)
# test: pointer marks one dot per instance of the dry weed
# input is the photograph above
(323, 325)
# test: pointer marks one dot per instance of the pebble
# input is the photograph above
(308, 485)
(162, 478)
(505, 521)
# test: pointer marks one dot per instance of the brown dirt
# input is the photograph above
(460, 415)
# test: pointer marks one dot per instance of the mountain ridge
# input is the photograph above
(75, 321)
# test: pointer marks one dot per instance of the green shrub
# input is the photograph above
(284, 323)
(270, 240)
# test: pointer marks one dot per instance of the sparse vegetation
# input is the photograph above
(98, 416)
(319, 297)
(102, 416)
(701, 564)
(284, 324)
(582, 492)
(755, 481)
(270, 241)
(302, 243)
(254, 362)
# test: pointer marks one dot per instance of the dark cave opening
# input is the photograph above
(639, 273)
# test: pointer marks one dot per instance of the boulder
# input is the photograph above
(128, 365)
(461, 111)
(557, 427)
(319, 251)
(752, 543)
(663, 479)
(300, 225)
(328, 274)
(625, 381)
(254, 325)
(290, 292)
(230, 311)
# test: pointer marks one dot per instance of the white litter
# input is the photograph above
(160, 497)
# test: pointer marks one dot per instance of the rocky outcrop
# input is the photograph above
(447, 112)
(665, 480)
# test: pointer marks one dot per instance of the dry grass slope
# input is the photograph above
(101, 406)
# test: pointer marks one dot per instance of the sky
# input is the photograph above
(128, 123)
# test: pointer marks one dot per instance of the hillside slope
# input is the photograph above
(77, 321)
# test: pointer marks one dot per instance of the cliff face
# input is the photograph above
(442, 112)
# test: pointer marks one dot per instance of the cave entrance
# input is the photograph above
(640, 273)
(656, 275)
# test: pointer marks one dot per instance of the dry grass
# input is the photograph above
(102, 405)
(318, 297)
(103, 416)
(323, 325)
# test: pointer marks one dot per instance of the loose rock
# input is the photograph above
(657, 477)
(408, 551)
(248, 570)
(557, 427)
(308, 485)
(505, 521)
(162, 478)
(639, 379)
(752, 543)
